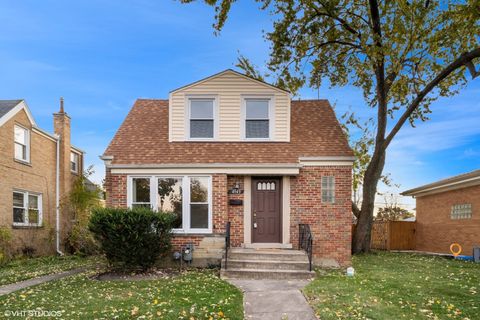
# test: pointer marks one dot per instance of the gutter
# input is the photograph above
(57, 199)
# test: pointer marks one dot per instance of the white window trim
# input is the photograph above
(188, 99)
(185, 200)
(26, 195)
(271, 117)
(77, 164)
(27, 136)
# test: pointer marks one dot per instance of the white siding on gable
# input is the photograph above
(229, 87)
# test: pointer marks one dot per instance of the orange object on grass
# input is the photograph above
(455, 252)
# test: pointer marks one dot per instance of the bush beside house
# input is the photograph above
(132, 238)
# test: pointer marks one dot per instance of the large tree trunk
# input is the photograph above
(362, 235)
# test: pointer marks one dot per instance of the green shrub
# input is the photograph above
(5, 244)
(132, 238)
(81, 241)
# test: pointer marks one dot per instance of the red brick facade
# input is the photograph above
(436, 231)
(330, 223)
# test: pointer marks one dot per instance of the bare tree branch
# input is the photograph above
(463, 60)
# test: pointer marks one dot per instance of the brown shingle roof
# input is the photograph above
(143, 139)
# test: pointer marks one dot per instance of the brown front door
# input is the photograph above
(266, 210)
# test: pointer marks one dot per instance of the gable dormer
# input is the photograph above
(229, 106)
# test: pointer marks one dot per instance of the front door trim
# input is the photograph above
(279, 191)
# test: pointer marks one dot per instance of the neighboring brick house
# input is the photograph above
(232, 148)
(448, 211)
(33, 179)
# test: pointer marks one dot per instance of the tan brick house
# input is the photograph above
(448, 211)
(36, 171)
(232, 148)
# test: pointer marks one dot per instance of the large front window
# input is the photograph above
(188, 197)
(202, 118)
(27, 208)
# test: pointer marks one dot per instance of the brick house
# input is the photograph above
(448, 211)
(36, 171)
(232, 148)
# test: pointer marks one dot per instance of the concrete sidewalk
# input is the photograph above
(274, 299)
(9, 288)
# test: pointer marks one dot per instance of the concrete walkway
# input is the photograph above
(274, 299)
(9, 288)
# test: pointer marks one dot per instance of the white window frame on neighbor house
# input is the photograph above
(328, 189)
(74, 159)
(26, 207)
(188, 103)
(186, 229)
(271, 116)
(26, 145)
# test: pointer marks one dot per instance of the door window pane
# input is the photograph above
(169, 198)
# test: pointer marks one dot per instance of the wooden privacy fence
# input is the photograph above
(393, 235)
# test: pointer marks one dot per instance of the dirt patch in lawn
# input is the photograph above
(152, 274)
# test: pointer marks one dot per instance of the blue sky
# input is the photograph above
(102, 55)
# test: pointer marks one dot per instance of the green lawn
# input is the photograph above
(399, 286)
(191, 295)
(22, 269)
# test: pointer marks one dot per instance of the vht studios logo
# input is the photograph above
(32, 313)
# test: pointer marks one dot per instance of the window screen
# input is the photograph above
(201, 118)
(257, 122)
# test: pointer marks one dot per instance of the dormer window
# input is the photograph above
(22, 144)
(258, 118)
(202, 118)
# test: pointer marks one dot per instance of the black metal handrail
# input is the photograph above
(227, 242)
(305, 241)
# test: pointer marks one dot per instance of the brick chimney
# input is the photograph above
(61, 126)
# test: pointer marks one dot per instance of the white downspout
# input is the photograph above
(57, 199)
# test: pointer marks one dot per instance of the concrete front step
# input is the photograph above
(266, 264)
(267, 255)
(240, 273)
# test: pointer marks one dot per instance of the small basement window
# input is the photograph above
(461, 211)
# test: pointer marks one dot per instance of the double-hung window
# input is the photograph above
(328, 189)
(202, 118)
(140, 191)
(22, 144)
(74, 162)
(188, 197)
(27, 208)
(257, 118)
